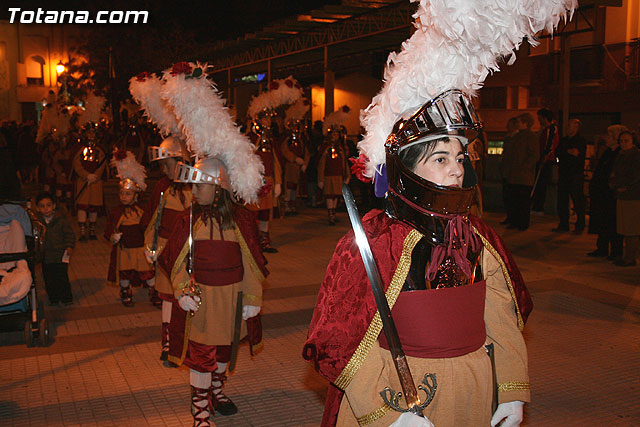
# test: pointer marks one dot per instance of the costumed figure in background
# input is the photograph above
(262, 109)
(451, 284)
(128, 263)
(296, 152)
(89, 164)
(213, 255)
(333, 167)
(168, 198)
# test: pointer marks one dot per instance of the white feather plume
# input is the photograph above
(336, 118)
(456, 44)
(92, 109)
(146, 92)
(297, 110)
(130, 168)
(210, 130)
(287, 92)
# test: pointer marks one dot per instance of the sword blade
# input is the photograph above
(388, 325)
(190, 271)
(236, 333)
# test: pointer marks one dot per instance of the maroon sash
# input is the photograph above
(132, 236)
(439, 323)
(218, 262)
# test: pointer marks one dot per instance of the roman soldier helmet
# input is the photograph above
(170, 147)
(263, 107)
(294, 116)
(131, 173)
(226, 157)
(335, 121)
(145, 89)
(427, 96)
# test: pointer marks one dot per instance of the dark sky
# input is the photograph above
(213, 20)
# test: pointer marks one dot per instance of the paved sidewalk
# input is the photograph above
(103, 369)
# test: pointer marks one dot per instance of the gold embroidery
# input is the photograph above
(375, 326)
(248, 299)
(374, 416)
(505, 273)
(514, 386)
(247, 252)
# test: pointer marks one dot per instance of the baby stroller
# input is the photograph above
(20, 241)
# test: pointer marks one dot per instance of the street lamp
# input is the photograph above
(60, 68)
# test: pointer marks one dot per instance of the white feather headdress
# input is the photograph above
(128, 168)
(297, 110)
(337, 118)
(145, 89)
(281, 92)
(92, 110)
(209, 129)
(456, 44)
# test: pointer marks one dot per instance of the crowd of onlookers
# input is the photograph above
(527, 165)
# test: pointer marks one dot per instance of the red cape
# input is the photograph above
(154, 201)
(345, 306)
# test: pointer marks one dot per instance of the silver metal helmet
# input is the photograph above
(209, 170)
(170, 147)
(129, 184)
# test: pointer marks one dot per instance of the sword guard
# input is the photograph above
(392, 398)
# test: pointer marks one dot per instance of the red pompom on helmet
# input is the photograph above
(289, 83)
(274, 85)
(181, 68)
(120, 154)
(142, 76)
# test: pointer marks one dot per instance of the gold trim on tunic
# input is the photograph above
(514, 386)
(371, 336)
(374, 416)
(252, 262)
(505, 272)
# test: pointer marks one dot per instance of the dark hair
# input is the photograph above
(44, 195)
(416, 153)
(546, 113)
(527, 119)
(225, 207)
(627, 132)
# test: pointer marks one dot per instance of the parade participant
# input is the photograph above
(89, 164)
(333, 169)
(213, 253)
(262, 110)
(295, 150)
(450, 282)
(128, 264)
(168, 198)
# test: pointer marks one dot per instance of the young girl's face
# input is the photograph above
(444, 166)
(169, 167)
(127, 197)
(203, 193)
(46, 207)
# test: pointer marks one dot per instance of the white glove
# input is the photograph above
(188, 303)
(320, 184)
(249, 311)
(409, 419)
(151, 256)
(299, 161)
(91, 178)
(510, 412)
(115, 238)
(277, 190)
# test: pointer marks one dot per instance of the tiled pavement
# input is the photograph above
(103, 369)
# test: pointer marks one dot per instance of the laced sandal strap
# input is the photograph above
(199, 395)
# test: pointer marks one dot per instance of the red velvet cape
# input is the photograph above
(345, 306)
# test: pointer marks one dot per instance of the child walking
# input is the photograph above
(128, 262)
(59, 240)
